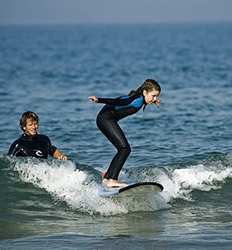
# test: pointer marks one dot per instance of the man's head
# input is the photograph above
(29, 123)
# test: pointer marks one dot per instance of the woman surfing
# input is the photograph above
(115, 110)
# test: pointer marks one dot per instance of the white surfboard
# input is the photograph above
(139, 189)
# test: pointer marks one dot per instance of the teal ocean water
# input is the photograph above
(185, 144)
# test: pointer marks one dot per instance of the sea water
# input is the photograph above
(185, 144)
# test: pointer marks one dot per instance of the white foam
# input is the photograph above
(81, 192)
(199, 177)
(73, 186)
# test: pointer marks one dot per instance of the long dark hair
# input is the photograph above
(148, 85)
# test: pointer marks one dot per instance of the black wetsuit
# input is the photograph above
(107, 122)
(38, 146)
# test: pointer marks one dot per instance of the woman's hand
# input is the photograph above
(93, 98)
(157, 102)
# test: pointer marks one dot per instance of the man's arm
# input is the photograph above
(59, 155)
(54, 152)
(16, 149)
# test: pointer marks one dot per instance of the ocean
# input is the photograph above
(185, 144)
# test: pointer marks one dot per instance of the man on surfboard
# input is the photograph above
(31, 143)
(112, 112)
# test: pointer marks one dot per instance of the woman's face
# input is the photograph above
(151, 96)
(31, 127)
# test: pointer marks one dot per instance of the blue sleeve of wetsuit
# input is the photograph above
(116, 101)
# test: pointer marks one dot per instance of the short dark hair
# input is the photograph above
(28, 115)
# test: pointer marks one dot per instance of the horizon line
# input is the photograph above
(115, 23)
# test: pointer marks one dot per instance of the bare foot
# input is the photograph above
(111, 183)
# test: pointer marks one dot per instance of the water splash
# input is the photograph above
(80, 190)
(79, 186)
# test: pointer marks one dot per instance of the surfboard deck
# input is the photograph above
(133, 189)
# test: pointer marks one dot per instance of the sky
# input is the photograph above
(113, 11)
